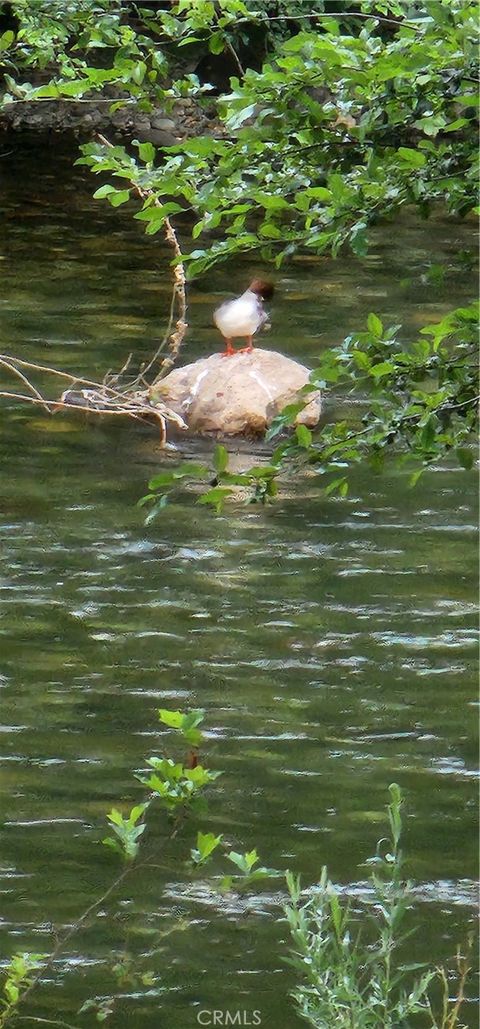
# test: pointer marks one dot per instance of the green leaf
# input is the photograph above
(375, 326)
(244, 862)
(336, 486)
(139, 72)
(215, 497)
(206, 844)
(415, 476)
(119, 197)
(6, 39)
(236, 120)
(216, 43)
(468, 100)
(103, 191)
(431, 125)
(159, 506)
(304, 436)
(384, 368)
(414, 158)
(173, 719)
(187, 724)
(319, 193)
(146, 152)
(220, 458)
(358, 239)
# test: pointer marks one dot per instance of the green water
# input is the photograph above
(331, 642)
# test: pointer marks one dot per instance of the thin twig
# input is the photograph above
(46, 1021)
(60, 404)
(230, 47)
(100, 399)
(69, 100)
(339, 16)
(162, 345)
(60, 944)
(177, 336)
(73, 379)
(139, 413)
(29, 385)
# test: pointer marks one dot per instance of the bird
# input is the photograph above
(243, 316)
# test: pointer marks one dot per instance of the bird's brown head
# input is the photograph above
(262, 288)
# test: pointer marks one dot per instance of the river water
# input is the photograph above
(332, 643)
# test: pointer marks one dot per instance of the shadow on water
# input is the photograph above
(332, 642)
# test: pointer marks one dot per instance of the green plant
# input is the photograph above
(126, 840)
(419, 400)
(175, 788)
(259, 483)
(18, 977)
(418, 404)
(354, 114)
(354, 980)
(345, 124)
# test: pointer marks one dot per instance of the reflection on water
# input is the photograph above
(331, 642)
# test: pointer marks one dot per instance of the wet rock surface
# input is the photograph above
(238, 395)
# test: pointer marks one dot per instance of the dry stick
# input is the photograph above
(134, 413)
(29, 385)
(177, 336)
(118, 397)
(46, 1021)
(114, 403)
(116, 377)
(138, 414)
(73, 379)
(146, 368)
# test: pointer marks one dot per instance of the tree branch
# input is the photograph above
(177, 336)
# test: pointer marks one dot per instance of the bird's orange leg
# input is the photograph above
(248, 349)
(229, 351)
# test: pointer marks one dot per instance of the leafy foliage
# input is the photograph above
(126, 840)
(258, 482)
(86, 45)
(174, 787)
(418, 403)
(18, 976)
(352, 115)
(186, 724)
(346, 980)
(249, 873)
(338, 129)
(420, 400)
(206, 844)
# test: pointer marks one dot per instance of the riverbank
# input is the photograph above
(84, 118)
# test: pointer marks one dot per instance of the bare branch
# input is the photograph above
(16, 371)
(177, 336)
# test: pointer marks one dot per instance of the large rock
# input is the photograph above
(236, 395)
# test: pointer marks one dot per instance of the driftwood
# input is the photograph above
(84, 395)
(117, 394)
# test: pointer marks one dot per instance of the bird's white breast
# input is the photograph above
(241, 317)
